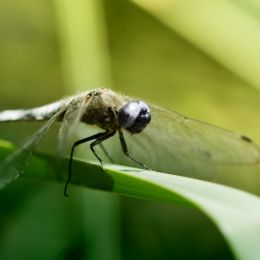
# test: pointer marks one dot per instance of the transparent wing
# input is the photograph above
(70, 122)
(177, 144)
(12, 166)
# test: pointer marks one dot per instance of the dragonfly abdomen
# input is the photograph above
(39, 113)
(13, 115)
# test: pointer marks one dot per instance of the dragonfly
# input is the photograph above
(150, 136)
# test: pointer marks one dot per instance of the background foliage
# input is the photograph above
(49, 49)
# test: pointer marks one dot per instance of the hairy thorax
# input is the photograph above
(101, 107)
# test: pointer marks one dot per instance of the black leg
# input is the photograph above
(125, 150)
(84, 140)
(99, 140)
(106, 153)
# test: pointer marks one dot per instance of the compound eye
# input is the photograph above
(128, 114)
(134, 116)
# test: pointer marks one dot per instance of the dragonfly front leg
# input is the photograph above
(99, 140)
(81, 141)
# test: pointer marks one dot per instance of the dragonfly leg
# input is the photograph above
(106, 153)
(126, 152)
(99, 140)
(81, 141)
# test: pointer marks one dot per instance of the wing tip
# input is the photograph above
(249, 141)
(246, 139)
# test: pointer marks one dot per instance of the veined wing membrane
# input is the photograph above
(70, 122)
(174, 143)
(12, 166)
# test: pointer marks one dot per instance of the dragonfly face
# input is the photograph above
(134, 116)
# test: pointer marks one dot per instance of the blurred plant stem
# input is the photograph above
(83, 44)
(225, 30)
(86, 66)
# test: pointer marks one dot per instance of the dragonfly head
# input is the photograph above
(134, 116)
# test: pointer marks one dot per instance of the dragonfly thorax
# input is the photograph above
(110, 111)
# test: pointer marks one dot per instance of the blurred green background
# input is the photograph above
(201, 61)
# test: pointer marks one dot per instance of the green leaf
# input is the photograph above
(235, 213)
